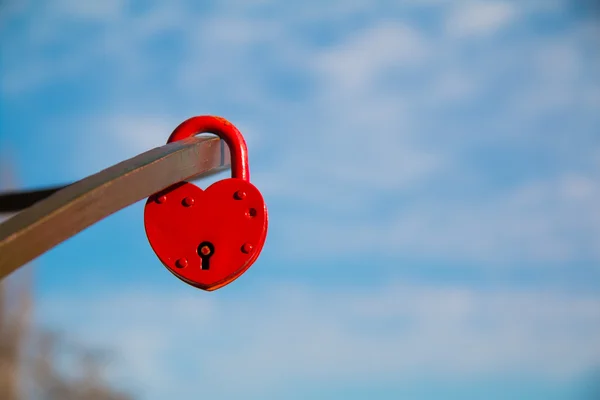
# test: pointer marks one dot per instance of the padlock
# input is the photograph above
(208, 238)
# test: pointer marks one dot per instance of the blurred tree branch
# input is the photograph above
(31, 357)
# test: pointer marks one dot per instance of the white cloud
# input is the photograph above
(351, 137)
(137, 133)
(480, 18)
(102, 141)
(105, 9)
(95, 142)
(376, 147)
(375, 127)
(283, 336)
(352, 66)
(547, 222)
(453, 86)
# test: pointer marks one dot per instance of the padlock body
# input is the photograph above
(230, 214)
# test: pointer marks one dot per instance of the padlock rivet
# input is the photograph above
(188, 201)
(240, 195)
(181, 263)
(161, 199)
(247, 248)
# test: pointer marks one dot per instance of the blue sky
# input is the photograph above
(430, 167)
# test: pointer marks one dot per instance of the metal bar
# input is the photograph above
(14, 201)
(70, 210)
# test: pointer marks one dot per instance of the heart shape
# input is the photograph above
(229, 219)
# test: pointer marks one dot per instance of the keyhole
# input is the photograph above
(205, 251)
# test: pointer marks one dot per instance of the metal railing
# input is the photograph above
(50, 216)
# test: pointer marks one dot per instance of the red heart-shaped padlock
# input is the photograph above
(208, 238)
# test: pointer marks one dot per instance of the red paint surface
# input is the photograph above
(226, 131)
